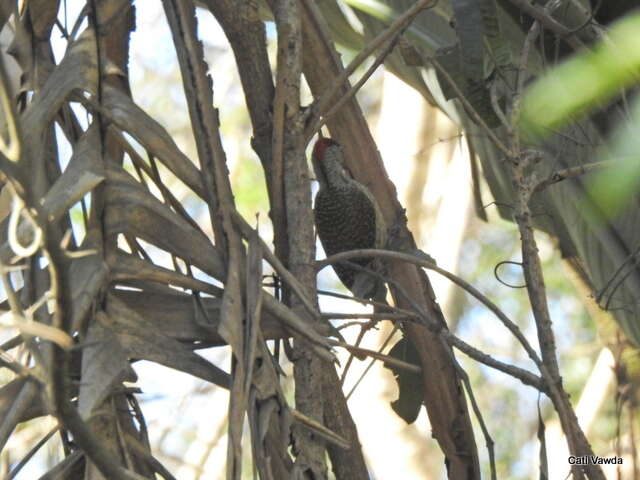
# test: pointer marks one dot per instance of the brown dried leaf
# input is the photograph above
(177, 315)
(22, 49)
(265, 412)
(87, 276)
(69, 467)
(319, 344)
(141, 340)
(141, 450)
(265, 378)
(132, 210)
(254, 304)
(130, 270)
(104, 365)
(16, 399)
(83, 173)
(42, 15)
(77, 71)
(151, 135)
(8, 394)
(5, 202)
(6, 9)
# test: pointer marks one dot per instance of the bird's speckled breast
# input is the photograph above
(345, 220)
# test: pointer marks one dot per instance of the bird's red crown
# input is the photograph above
(321, 146)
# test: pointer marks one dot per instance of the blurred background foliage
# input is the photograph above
(585, 83)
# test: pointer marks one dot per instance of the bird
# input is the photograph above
(347, 217)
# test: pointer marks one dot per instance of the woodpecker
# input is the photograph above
(347, 217)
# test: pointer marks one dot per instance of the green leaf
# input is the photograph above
(388, 14)
(613, 188)
(469, 27)
(585, 81)
(342, 31)
(500, 52)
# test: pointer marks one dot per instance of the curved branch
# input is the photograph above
(521, 374)
(506, 321)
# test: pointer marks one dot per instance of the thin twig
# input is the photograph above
(247, 231)
(478, 413)
(366, 370)
(633, 257)
(472, 111)
(365, 301)
(524, 376)
(409, 367)
(321, 105)
(320, 430)
(542, 16)
(372, 316)
(350, 324)
(363, 329)
(24, 460)
(513, 131)
(507, 322)
(347, 96)
(497, 277)
(567, 173)
(493, 93)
